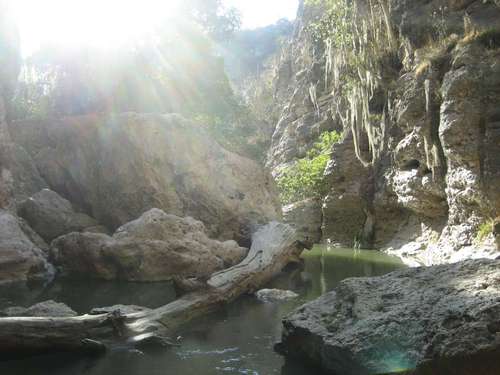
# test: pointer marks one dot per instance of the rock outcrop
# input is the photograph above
(51, 216)
(20, 259)
(437, 320)
(116, 168)
(155, 247)
(433, 119)
(42, 309)
(305, 217)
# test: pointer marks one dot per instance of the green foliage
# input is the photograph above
(336, 22)
(484, 230)
(305, 178)
(217, 20)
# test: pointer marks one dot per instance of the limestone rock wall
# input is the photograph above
(117, 167)
(435, 184)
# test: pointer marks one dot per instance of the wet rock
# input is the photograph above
(306, 217)
(20, 259)
(43, 309)
(154, 247)
(441, 320)
(51, 216)
(118, 167)
(275, 295)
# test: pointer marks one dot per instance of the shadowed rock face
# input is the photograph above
(117, 168)
(439, 320)
(154, 247)
(305, 217)
(52, 216)
(20, 259)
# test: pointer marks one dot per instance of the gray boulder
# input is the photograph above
(51, 216)
(438, 320)
(154, 247)
(20, 259)
(43, 309)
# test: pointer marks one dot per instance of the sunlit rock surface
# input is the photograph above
(440, 320)
(154, 247)
(116, 168)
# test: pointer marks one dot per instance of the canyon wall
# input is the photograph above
(423, 177)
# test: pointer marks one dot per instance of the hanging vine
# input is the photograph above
(356, 36)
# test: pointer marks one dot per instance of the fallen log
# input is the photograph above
(273, 247)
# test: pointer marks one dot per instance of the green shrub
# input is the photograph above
(484, 230)
(305, 179)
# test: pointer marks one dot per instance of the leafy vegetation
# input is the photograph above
(484, 230)
(361, 53)
(305, 178)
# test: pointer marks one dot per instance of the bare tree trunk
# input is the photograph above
(273, 247)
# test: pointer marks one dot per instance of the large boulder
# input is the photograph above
(20, 259)
(438, 320)
(51, 216)
(154, 247)
(118, 167)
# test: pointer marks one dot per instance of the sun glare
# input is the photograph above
(96, 22)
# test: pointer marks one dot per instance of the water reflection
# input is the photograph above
(237, 340)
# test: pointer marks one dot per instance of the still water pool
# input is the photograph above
(238, 340)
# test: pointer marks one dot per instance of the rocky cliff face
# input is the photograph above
(423, 179)
(117, 167)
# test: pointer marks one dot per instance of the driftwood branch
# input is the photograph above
(273, 247)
